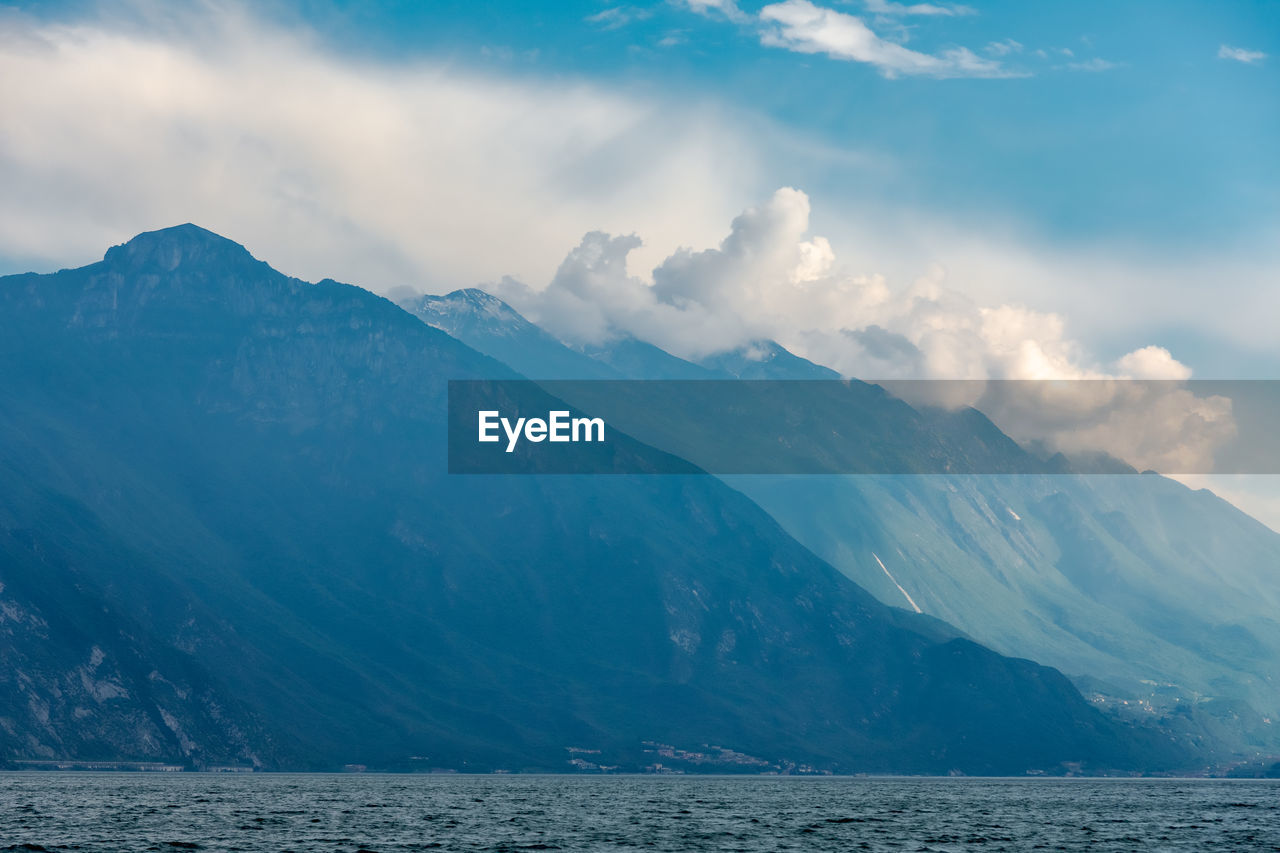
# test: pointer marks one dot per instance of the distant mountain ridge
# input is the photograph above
(490, 325)
(1132, 585)
(767, 360)
(242, 473)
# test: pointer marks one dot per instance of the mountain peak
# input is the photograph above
(471, 300)
(483, 321)
(168, 248)
(470, 308)
(766, 359)
(476, 295)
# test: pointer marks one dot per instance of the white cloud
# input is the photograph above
(727, 8)
(1240, 54)
(1152, 426)
(616, 17)
(1003, 48)
(1095, 64)
(1151, 362)
(884, 7)
(770, 279)
(380, 173)
(800, 26)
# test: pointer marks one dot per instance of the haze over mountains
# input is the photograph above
(1159, 600)
(227, 537)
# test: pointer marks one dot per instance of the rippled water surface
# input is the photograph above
(117, 812)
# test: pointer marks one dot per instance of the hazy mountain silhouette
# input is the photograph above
(227, 535)
(1144, 591)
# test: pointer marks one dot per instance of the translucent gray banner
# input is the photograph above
(854, 427)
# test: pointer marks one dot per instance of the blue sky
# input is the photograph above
(1164, 142)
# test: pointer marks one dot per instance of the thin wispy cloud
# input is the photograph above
(727, 8)
(888, 9)
(617, 17)
(1240, 54)
(217, 117)
(1003, 48)
(1092, 65)
(802, 27)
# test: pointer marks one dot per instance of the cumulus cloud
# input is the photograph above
(1151, 363)
(800, 26)
(1153, 426)
(593, 300)
(1240, 54)
(769, 278)
(699, 302)
(1158, 424)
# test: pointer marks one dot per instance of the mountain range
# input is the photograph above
(228, 537)
(1160, 601)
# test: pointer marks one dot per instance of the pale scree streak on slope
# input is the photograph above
(909, 599)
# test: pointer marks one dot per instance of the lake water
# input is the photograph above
(136, 811)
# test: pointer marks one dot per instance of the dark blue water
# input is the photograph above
(119, 812)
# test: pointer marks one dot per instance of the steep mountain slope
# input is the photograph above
(1143, 589)
(244, 475)
(84, 677)
(636, 359)
(1146, 592)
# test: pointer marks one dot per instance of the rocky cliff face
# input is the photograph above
(82, 679)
